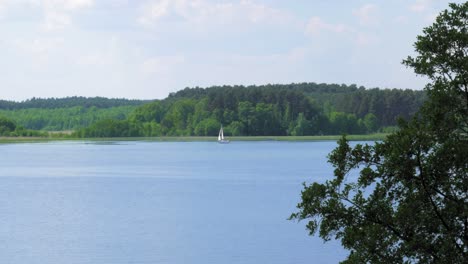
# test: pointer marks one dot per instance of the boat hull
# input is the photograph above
(223, 141)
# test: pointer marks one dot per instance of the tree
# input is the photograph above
(207, 127)
(6, 125)
(371, 123)
(409, 202)
(302, 127)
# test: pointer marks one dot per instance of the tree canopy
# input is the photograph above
(268, 110)
(9, 128)
(52, 103)
(409, 200)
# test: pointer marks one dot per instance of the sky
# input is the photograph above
(145, 49)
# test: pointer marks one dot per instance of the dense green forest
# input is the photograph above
(71, 113)
(67, 102)
(60, 119)
(8, 128)
(267, 110)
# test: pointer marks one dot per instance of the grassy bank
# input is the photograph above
(370, 137)
(380, 136)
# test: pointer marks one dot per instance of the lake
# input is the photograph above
(159, 202)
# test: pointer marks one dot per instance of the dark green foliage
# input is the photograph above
(52, 103)
(207, 127)
(8, 128)
(6, 125)
(386, 104)
(270, 110)
(70, 113)
(409, 202)
(371, 123)
(59, 119)
(111, 128)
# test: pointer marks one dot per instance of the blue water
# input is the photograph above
(154, 202)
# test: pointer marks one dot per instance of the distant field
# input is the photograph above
(379, 136)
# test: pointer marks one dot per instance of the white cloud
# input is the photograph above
(400, 20)
(366, 14)
(154, 11)
(2, 8)
(258, 13)
(70, 4)
(420, 6)
(107, 53)
(204, 14)
(287, 59)
(39, 46)
(365, 39)
(162, 64)
(54, 20)
(5, 5)
(58, 13)
(316, 25)
(37, 53)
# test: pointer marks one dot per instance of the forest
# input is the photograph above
(70, 113)
(8, 128)
(67, 102)
(267, 110)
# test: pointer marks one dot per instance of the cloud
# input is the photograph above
(287, 58)
(37, 53)
(54, 20)
(366, 14)
(69, 4)
(316, 25)
(5, 5)
(420, 6)
(2, 8)
(400, 20)
(39, 46)
(365, 39)
(107, 53)
(58, 13)
(204, 14)
(162, 64)
(154, 11)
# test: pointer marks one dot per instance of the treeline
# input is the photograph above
(67, 102)
(8, 128)
(276, 110)
(69, 118)
(385, 104)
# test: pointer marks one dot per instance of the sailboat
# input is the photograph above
(221, 139)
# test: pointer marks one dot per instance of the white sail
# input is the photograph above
(221, 137)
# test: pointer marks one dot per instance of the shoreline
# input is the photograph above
(370, 137)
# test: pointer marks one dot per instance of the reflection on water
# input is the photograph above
(159, 202)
